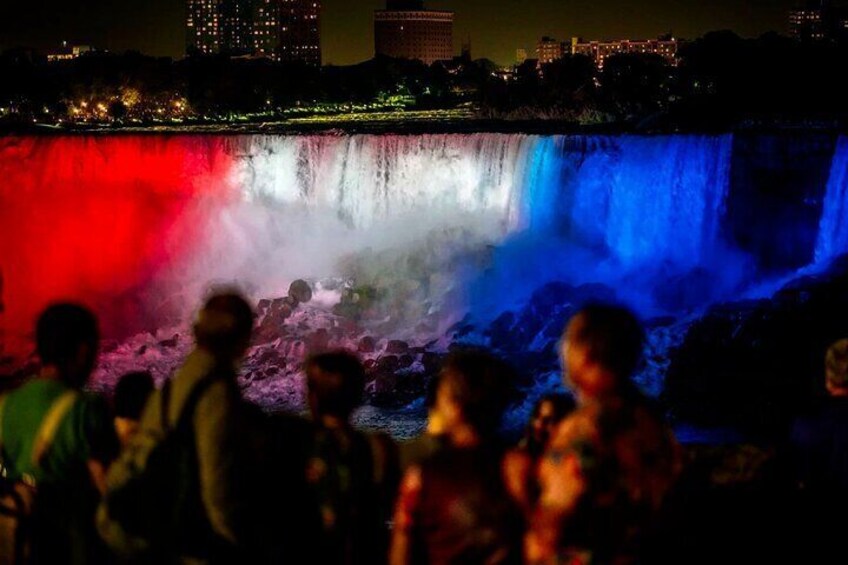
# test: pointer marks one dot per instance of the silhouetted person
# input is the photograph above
(207, 523)
(820, 440)
(549, 411)
(433, 438)
(819, 449)
(454, 507)
(610, 464)
(352, 475)
(60, 440)
(131, 395)
(522, 462)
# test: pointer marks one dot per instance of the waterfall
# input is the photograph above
(638, 198)
(369, 178)
(104, 218)
(833, 229)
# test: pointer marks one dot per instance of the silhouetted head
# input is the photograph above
(67, 338)
(601, 349)
(131, 394)
(335, 383)
(474, 389)
(224, 326)
(548, 412)
(836, 368)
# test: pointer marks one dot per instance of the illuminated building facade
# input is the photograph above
(600, 51)
(282, 30)
(236, 26)
(203, 26)
(68, 53)
(299, 32)
(407, 30)
(818, 20)
(549, 50)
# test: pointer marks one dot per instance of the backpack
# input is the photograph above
(148, 509)
(350, 477)
(18, 497)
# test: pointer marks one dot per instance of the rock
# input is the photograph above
(542, 320)
(170, 343)
(272, 325)
(753, 365)
(397, 347)
(300, 291)
(270, 356)
(387, 364)
(367, 345)
(141, 350)
(432, 362)
(263, 305)
(318, 342)
(406, 361)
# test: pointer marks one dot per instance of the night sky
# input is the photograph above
(496, 27)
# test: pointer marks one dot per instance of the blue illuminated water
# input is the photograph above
(833, 230)
(634, 213)
(637, 199)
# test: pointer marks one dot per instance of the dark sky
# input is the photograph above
(496, 27)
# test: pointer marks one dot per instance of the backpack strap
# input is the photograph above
(187, 412)
(2, 407)
(50, 425)
(163, 409)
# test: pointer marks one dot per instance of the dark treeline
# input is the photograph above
(721, 80)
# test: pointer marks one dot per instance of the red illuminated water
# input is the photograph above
(97, 220)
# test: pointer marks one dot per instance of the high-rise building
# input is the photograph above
(818, 20)
(407, 30)
(203, 26)
(809, 21)
(600, 51)
(549, 50)
(300, 31)
(235, 19)
(288, 30)
(282, 30)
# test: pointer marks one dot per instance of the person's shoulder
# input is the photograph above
(34, 390)
(92, 406)
(581, 424)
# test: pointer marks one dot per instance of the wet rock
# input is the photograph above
(387, 364)
(406, 361)
(270, 356)
(541, 322)
(367, 345)
(397, 347)
(272, 325)
(432, 362)
(319, 341)
(170, 343)
(300, 291)
(398, 389)
(754, 364)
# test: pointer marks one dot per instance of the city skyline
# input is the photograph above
(156, 27)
